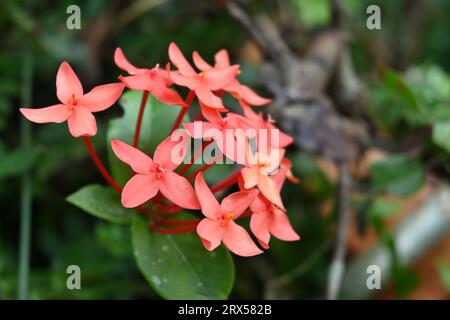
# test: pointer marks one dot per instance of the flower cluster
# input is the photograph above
(163, 185)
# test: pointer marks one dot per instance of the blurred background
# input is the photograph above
(369, 110)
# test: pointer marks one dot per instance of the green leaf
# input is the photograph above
(156, 125)
(178, 266)
(399, 175)
(380, 209)
(441, 134)
(15, 162)
(396, 84)
(102, 202)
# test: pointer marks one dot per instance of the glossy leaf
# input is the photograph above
(102, 202)
(178, 266)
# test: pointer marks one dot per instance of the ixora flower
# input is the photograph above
(76, 107)
(156, 80)
(222, 131)
(154, 175)
(157, 187)
(281, 140)
(237, 89)
(219, 225)
(258, 170)
(203, 83)
(267, 219)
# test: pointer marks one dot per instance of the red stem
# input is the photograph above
(230, 180)
(183, 110)
(186, 167)
(99, 165)
(168, 208)
(139, 119)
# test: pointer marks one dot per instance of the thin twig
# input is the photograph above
(337, 266)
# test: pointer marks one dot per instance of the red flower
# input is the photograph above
(154, 175)
(76, 107)
(221, 130)
(237, 89)
(219, 225)
(267, 219)
(258, 170)
(203, 83)
(155, 81)
(257, 121)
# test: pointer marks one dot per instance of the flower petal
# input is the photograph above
(211, 114)
(172, 150)
(281, 228)
(202, 129)
(164, 74)
(57, 113)
(178, 190)
(67, 83)
(167, 95)
(190, 82)
(101, 97)
(139, 189)
(209, 205)
(237, 239)
(211, 233)
(178, 59)
(222, 59)
(123, 63)
(285, 140)
(269, 189)
(82, 122)
(250, 177)
(237, 202)
(200, 63)
(136, 159)
(251, 97)
(139, 82)
(259, 224)
(216, 79)
(208, 98)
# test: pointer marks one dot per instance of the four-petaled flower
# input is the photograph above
(267, 219)
(280, 140)
(219, 225)
(154, 175)
(156, 80)
(258, 170)
(237, 89)
(76, 107)
(203, 83)
(222, 131)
